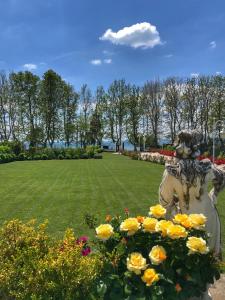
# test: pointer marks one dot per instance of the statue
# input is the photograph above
(184, 187)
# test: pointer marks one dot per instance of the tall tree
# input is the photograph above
(153, 102)
(133, 105)
(26, 88)
(117, 105)
(172, 94)
(69, 106)
(85, 105)
(51, 94)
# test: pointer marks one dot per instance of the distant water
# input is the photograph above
(105, 143)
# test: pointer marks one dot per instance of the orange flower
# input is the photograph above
(140, 219)
(108, 218)
(178, 287)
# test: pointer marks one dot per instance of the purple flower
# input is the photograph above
(86, 251)
(82, 240)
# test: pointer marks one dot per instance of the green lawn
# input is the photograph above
(62, 191)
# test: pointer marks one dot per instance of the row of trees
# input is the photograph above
(42, 111)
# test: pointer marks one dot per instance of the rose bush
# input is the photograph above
(152, 258)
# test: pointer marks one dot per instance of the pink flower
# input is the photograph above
(82, 240)
(86, 251)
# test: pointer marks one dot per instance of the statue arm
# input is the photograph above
(166, 194)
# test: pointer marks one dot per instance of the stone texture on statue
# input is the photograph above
(184, 187)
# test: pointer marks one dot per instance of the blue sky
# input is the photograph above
(148, 38)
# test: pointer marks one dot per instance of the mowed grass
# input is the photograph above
(63, 191)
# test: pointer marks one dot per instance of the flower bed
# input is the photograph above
(152, 258)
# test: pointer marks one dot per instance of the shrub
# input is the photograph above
(44, 156)
(4, 149)
(33, 266)
(68, 156)
(75, 157)
(97, 156)
(90, 151)
(6, 157)
(22, 156)
(61, 156)
(37, 157)
(84, 156)
(99, 150)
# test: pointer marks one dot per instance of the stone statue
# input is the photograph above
(184, 187)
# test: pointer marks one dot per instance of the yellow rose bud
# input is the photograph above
(176, 232)
(136, 263)
(157, 255)
(197, 245)
(108, 218)
(149, 224)
(140, 219)
(157, 211)
(131, 225)
(104, 231)
(198, 221)
(178, 288)
(162, 226)
(150, 276)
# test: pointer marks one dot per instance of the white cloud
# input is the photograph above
(96, 62)
(212, 45)
(140, 35)
(107, 53)
(194, 75)
(30, 67)
(108, 61)
(218, 73)
(168, 55)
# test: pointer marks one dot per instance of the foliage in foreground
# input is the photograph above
(150, 258)
(32, 266)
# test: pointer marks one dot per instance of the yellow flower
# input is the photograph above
(183, 220)
(198, 221)
(140, 219)
(104, 231)
(157, 211)
(176, 232)
(162, 226)
(150, 276)
(149, 224)
(197, 245)
(131, 225)
(157, 255)
(136, 263)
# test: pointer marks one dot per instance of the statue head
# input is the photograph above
(187, 144)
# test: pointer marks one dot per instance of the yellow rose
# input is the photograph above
(136, 263)
(157, 211)
(162, 226)
(183, 220)
(150, 276)
(197, 245)
(176, 232)
(149, 224)
(157, 255)
(198, 221)
(131, 225)
(104, 231)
